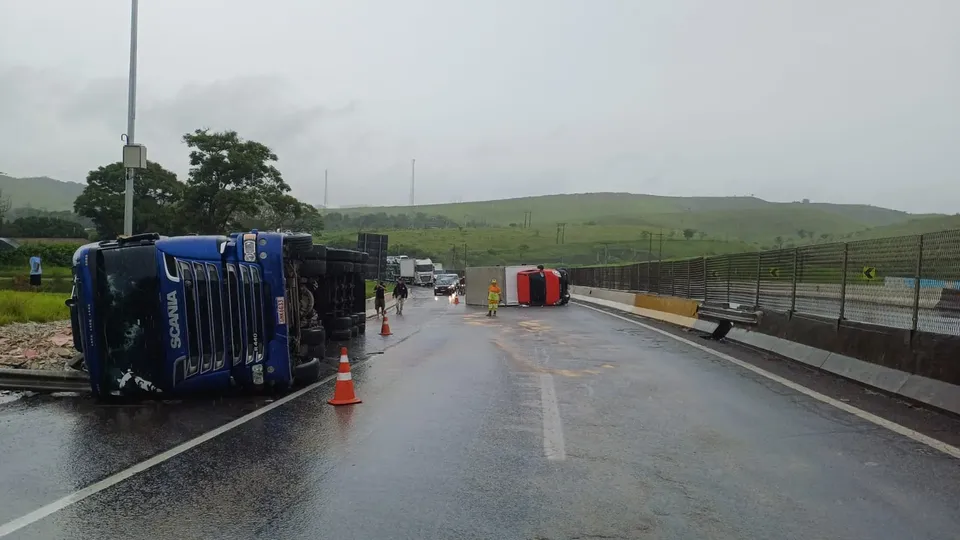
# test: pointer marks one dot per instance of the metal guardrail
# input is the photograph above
(906, 282)
(724, 313)
(44, 381)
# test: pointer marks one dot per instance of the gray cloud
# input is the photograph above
(846, 102)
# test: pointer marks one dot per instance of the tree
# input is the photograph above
(825, 237)
(229, 177)
(802, 233)
(284, 212)
(702, 235)
(5, 204)
(522, 249)
(778, 241)
(156, 197)
(688, 233)
(46, 227)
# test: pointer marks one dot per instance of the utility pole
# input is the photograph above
(413, 179)
(325, 186)
(131, 120)
(561, 232)
(660, 258)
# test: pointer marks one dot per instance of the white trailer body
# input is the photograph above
(407, 270)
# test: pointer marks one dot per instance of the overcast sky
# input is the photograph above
(833, 100)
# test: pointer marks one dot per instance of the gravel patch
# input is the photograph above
(46, 346)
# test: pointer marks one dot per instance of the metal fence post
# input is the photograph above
(756, 298)
(728, 278)
(843, 283)
(673, 279)
(689, 277)
(648, 275)
(916, 284)
(793, 288)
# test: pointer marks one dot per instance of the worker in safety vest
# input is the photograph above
(493, 298)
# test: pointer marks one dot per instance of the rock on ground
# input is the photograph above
(36, 345)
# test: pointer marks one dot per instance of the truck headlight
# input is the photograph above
(249, 249)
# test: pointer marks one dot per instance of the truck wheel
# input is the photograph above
(362, 257)
(319, 251)
(312, 268)
(298, 244)
(362, 328)
(354, 331)
(342, 255)
(338, 323)
(341, 335)
(307, 372)
(313, 336)
(339, 268)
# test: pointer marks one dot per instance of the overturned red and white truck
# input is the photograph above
(250, 311)
(520, 285)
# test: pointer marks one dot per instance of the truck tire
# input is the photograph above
(298, 244)
(313, 336)
(307, 372)
(357, 317)
(342, 255)
(364, 257)
(319, 251)
(311, 268)
(362, 328)
(338, 323)
(341, 335)
(354, 331)
(338, 268)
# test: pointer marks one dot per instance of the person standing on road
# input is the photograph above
(36, 272)
(380, 299)
(400, 294)
(493, 298)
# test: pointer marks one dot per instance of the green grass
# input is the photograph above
(920, 225)
(48, 272)
(21, 306)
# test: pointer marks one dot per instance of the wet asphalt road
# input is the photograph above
(545, 423)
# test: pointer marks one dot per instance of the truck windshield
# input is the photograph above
(424, 268)
(129, 293)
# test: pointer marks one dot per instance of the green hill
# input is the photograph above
(916, 225)
(41, 193)
(748, 219)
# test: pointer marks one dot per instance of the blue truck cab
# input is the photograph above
(171, 315)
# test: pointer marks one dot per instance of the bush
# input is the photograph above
(50, 255)
(18, 306)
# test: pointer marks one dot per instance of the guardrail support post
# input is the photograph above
(756, 298)
(793, 287)
(728, 279)
(843, 283)
(916, 285)
(689, 278)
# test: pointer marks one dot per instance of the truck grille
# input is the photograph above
(224, 315)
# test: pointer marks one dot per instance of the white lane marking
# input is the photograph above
(44, 511)
(553, 447)
(860, 413)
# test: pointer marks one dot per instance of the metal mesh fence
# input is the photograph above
(776, 280)
(938, 290)
(743, 278)
(819, 280)
(867, 298)
(909, 282)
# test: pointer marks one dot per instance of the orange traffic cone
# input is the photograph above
(343, 391)
(385, 327)
(456, 300)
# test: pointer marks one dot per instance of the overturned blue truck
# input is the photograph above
(176, 315)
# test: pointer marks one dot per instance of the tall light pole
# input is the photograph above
(131, 119)
(413, 179)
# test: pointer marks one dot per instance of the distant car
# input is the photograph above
(446, 284)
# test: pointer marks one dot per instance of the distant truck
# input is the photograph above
(174, 315)
(423, 270)
(407, 270)
(437, 269)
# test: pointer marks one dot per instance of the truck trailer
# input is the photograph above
(175, 315)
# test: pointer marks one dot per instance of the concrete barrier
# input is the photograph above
(940, 394)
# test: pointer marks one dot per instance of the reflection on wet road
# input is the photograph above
(542, 423)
